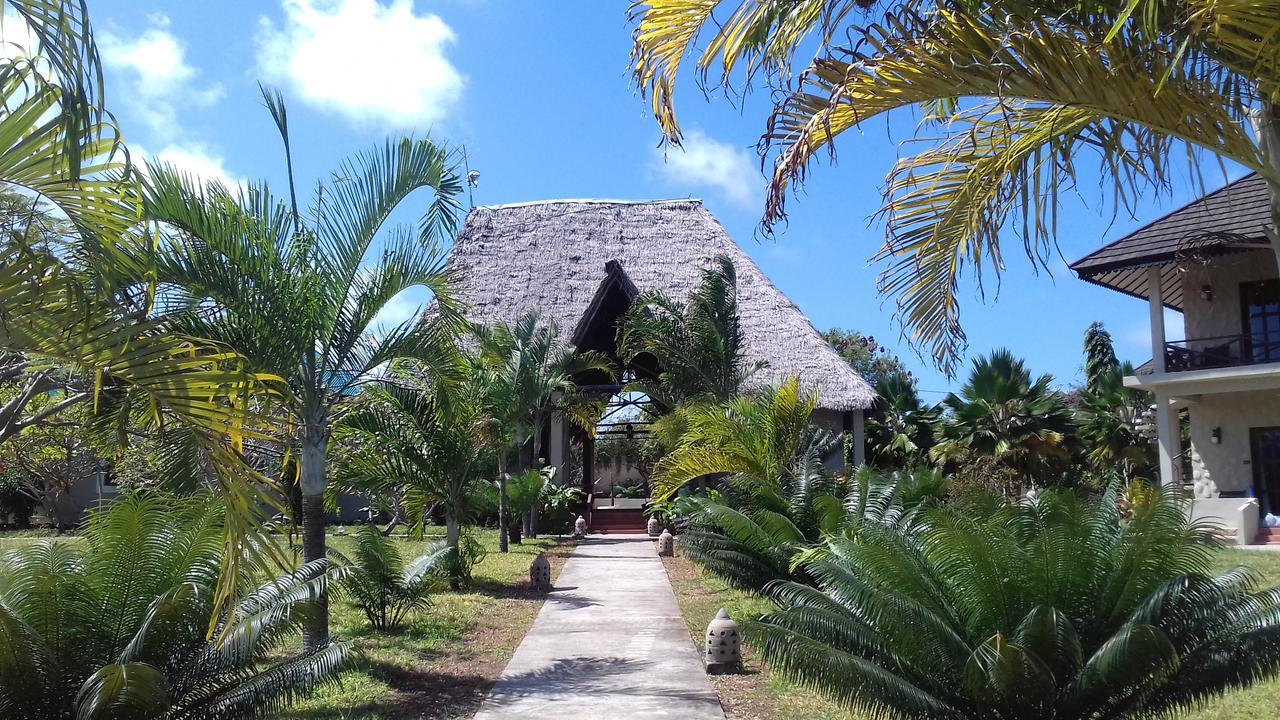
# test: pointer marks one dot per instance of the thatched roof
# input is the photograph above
(553, 256)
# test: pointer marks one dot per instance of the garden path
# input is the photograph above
(608, 643)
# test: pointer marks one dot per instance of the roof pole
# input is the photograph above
(1155, 295)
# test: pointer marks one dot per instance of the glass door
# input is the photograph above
(1260, 308)
(1265, 447)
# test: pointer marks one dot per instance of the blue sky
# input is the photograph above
(539, 94)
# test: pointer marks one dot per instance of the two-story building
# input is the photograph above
(1212, 261)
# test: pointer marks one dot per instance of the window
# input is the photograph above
(1260, 308)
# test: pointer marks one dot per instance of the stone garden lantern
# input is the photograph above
(580, 527)
(724, 645)
(667, 544)
(654, 526)
(540, 573)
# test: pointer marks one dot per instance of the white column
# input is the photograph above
(859, 438)
(1169, 440)
(1155, 294)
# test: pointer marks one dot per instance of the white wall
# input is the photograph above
(1228, 463)
(1221, 315)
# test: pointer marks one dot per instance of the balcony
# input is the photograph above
(1226, 351)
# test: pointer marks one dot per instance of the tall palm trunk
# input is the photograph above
(537, 463)
(503, 545)
(452, 536)
(316, 632)
(1267, 127)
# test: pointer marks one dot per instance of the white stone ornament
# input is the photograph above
(723, 652)
(667, 544)
(540, 573)
(580, 527)
(654, 527)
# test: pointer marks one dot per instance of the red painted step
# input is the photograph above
(618, 520)
(1267, 536)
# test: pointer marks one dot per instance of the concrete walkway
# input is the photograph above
(609, 643)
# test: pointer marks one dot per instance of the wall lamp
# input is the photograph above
(1215, 436)
(1206, 293)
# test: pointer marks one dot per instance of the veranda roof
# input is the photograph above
(562, 256)
(1231, 219)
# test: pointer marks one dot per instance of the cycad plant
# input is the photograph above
(1001, 414)
(386, 588)
(116, 626)
(1057, 609)
(751, 534)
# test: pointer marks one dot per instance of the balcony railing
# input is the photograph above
(1221, 352)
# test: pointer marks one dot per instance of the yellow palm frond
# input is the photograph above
(1052, 91)
(757, 33)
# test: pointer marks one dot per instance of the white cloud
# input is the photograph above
(195, 158)
(369, 62)
(158, 76)
(702, 161)
(16, 38)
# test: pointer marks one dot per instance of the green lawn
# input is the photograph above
(757, 695)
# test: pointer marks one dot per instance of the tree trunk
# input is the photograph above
(1267, 128)
(502, 502)
(537, 463)
(316, 632)
(452, 534)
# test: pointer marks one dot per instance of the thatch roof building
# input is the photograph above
(575, 260)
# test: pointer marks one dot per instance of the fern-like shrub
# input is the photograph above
(116, 626)
(386, 588)
(1061, 608)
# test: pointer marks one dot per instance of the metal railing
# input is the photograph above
(1223, 351)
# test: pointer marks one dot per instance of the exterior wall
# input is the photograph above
(1228, 462)
(834, 422)
(1221, 315)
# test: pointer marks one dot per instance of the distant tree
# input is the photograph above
(900, 432)
(873, 361)
(1109, 411)
(1002, 414)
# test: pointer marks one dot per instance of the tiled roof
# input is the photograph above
(1230, 219)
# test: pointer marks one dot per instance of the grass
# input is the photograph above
(443, 661)
(758, 695)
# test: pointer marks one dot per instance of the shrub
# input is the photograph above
(386, 589)
(118, 626)
(1062, 608)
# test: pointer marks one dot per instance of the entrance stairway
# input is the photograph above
(617, 520)
(1268, 536)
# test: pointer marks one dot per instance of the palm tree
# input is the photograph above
(1046, 85)
(84, 306)
(529, 374)
(1002, 415)
(1107, 618)
(697, 345)
(115, 626)
(1109, 411)
(758, 435)
(422, 442)
(299, 294)
(900, 434)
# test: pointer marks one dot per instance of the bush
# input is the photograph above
(1061, 608)
(119, 629)
(386, 589)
